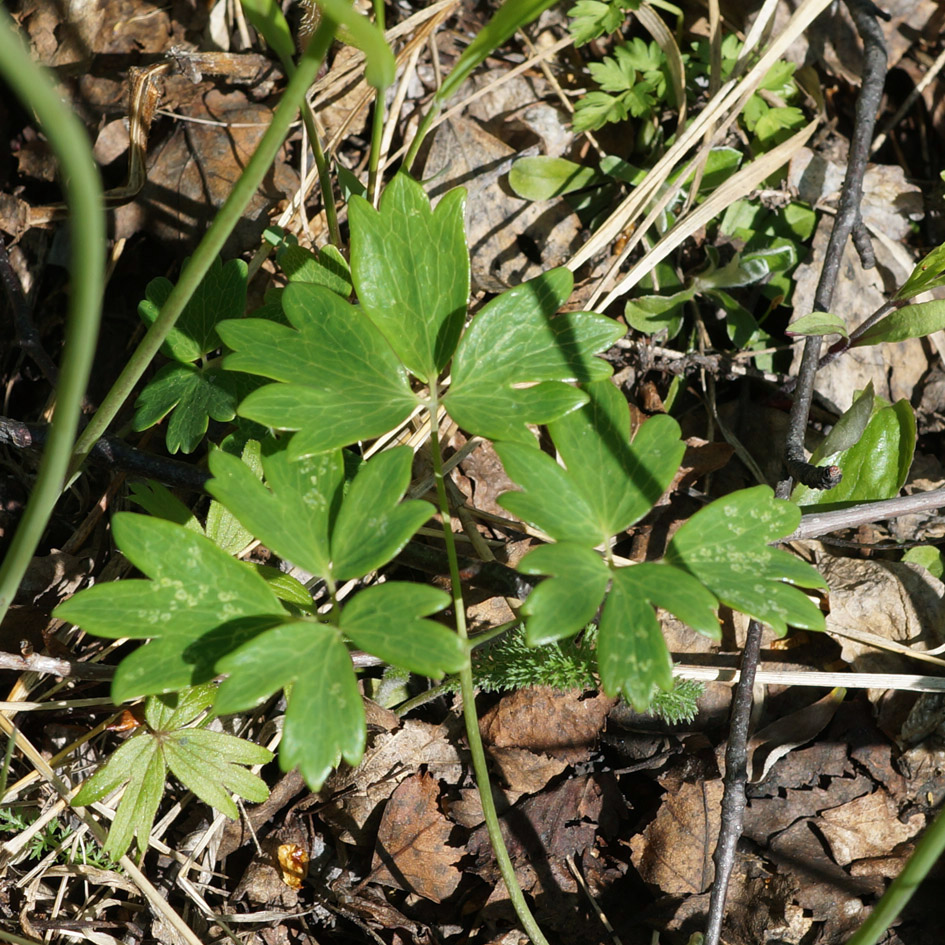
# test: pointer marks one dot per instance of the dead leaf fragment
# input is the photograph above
(563, 724)
(866, 827)
(411, 851)
(674, 852)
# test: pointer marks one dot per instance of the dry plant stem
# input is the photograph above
(846, 220)
(34, 663)
(468, 692)
(736, 777)
(815, 524)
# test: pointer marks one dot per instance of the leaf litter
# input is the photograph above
(829, 824)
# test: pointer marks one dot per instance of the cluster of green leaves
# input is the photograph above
(768, 114)
(330, 375)
(634, 83)
(211, 764)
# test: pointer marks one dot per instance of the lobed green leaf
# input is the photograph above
(517, 341)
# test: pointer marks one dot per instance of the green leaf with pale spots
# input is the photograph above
(196, 588)
(191, 395)
(726, 547)
(512, 363)
(300, 513)
(609, 482)
(324, 719)
(410, 267)
(340, 379)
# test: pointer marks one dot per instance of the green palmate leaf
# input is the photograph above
(593, 18)
(208, 764)
(221, 294)
(387, 621)
(818, 323)
(912, 321)
(676, 591)
(876, 465)
(205, 762)
(725, 546)
(194, 395)
(621, 481)
(411, 269)
(597, 109)
(373, 524)
(632, 656)
(196, 588)
(176, 709)
(301, 515)
(341, 380)
(329, 268)
(928, 273)
(541, 177)
(129, 757)
(609, 482)
(517, 340)
(324, 719)
(295, 514)
(567, 602)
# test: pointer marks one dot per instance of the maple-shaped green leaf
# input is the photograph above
(593, 18)
(207, 763)
(301, 515)
(567, 601)
(608, 482)
(292, 514)
(517, 341)
(373, 523)
(194, 394)
(726, 546)
(597, 109)
(341, 381)
(324, 720)
(221, 294)
(387, 620)
(411, 269)
(196, 588)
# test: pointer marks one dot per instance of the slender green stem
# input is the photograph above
(324, 175)
(212, 242)
(422, 132)
(83, 192)
(467, 689)
(894, 900)
(377, 123)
